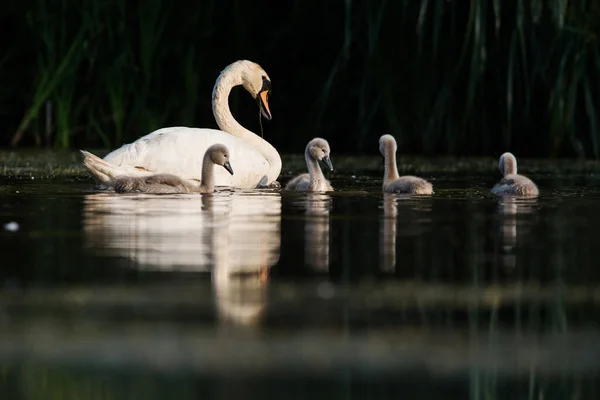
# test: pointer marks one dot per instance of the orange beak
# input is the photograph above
(264, 104)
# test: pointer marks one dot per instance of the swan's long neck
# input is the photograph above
(314, 170)
(391, 169)
(229, 78)
(510, 166)
(208, 173)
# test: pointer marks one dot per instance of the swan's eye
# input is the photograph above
(266, 85)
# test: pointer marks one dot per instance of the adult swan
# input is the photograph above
(179, 150)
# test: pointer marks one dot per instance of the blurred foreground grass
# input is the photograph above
(153, 329)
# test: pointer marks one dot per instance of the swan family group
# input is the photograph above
(167, 160)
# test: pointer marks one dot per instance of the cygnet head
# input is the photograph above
(508, 164)
(387, 142)
(257, 82)
(318, 148)
(219, 154)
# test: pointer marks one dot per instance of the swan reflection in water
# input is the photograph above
(413, 223)
(234, 235)
(316, 230)
(509, 208)
(315, 207)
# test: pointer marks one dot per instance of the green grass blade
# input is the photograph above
(421, 23)
(591, 113)
(497, 16)
(509, 89)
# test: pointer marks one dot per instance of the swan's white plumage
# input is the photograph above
(179, 150)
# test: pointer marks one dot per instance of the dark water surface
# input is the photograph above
(353, 294)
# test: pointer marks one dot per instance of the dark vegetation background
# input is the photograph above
(457, 77)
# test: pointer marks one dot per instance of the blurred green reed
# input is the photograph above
(443, 76)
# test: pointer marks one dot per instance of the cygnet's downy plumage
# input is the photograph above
(216, 154)
(513, 183)
(313, 181)
(392, 183)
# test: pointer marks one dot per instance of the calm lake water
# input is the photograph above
(353, 294)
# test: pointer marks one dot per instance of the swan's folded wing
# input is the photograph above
(300, 182)
(180, 150)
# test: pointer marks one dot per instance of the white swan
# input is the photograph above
(313, 181)
(176, 150)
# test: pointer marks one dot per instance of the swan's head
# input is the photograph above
(256, 81)
(387, 142)
(508, 164)
(219, 154)
(319, 149)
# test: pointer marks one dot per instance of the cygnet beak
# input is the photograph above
(227, 166)
(328, 162)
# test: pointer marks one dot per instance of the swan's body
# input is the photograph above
(513, 183)
(313, 181)
(166, 183)
(392, 182)
(175, 150)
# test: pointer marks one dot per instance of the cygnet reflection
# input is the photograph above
(316, 230)
(233, 235)
(415, 220)
(509, 208)
(387, 233)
